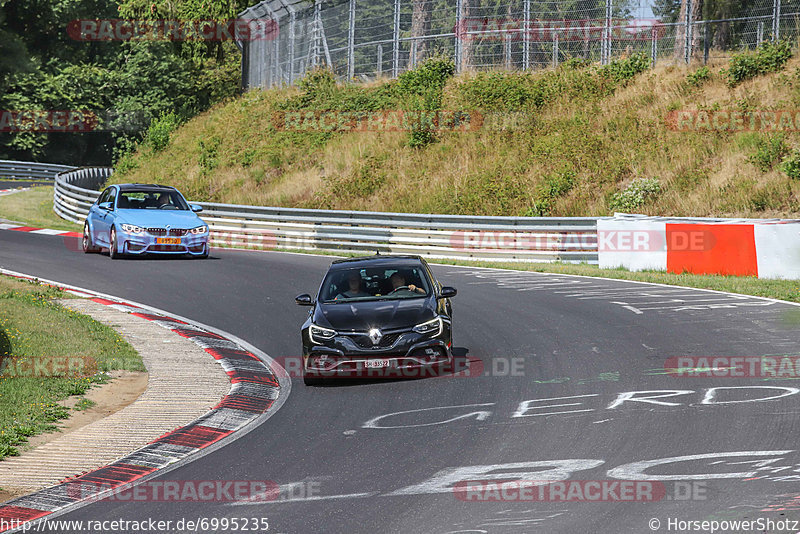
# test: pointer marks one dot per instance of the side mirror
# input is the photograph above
(304, 300)
(108, 206)
(447, 292)
(197, 208)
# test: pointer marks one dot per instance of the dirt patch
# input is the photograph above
(124, 388)
(109, 398)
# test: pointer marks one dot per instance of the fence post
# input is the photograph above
(412, 61)
(317, 32)
(776, 20)
(396, 41)
(605, 51)
(507, 50)
(351, 37)
(654, 47)
(292, 39)
(706, 43)
(276, 57)
(526, 37)
(555, 49)
(759, 33)
(459, 29)
(379, 69)
(687, 34)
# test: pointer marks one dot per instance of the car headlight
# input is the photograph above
(132, 229)
(434, 326)
(317, 333)
(199, 230)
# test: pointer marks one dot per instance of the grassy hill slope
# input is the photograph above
(577, 140)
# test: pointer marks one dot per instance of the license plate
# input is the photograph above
(376, 364)
(168, 240)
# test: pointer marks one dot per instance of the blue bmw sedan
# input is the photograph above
(144, 219)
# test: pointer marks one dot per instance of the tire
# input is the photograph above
(86, 242)
(112, 248)
(311, 380)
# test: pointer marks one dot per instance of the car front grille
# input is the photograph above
(365, 342)
(175, 232)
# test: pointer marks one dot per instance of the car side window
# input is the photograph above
(106, 196)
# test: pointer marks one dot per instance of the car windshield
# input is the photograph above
(348, 285)
(151, 199)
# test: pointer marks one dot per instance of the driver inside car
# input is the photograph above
(399, 281)
(164, 200)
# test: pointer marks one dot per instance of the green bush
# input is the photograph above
(158, 134)
(769, 151)
(791, 165)
(624, 69)
(638, 193)
(698, 77)
(553, 187)
(768, 57)
(575, 63)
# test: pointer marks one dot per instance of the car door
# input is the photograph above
(101, 218)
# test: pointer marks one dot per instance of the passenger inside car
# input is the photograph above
(355, 287)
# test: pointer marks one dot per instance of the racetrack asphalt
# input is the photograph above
(580, 351)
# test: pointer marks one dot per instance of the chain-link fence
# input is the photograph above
(368, 39)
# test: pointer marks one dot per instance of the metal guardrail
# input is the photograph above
(513, 239)
(22, 170)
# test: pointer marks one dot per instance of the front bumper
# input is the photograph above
(194, 244)
(410, 354)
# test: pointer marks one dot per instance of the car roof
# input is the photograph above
(148, 187)
(378, 260)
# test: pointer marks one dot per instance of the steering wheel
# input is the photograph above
(399, 288)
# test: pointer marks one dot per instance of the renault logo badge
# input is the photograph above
(375, 335)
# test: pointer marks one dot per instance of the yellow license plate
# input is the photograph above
(168, 240)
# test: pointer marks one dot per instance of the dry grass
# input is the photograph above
(608, 142)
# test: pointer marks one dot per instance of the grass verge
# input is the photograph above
(34, 330)
(34, 208)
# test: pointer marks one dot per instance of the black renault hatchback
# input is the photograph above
(377, 316)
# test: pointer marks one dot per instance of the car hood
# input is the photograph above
(384, 314)
(160, 218)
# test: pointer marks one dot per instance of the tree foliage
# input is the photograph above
(126, 84)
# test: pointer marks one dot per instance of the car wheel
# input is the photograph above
(112, 249)
(86, 242)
